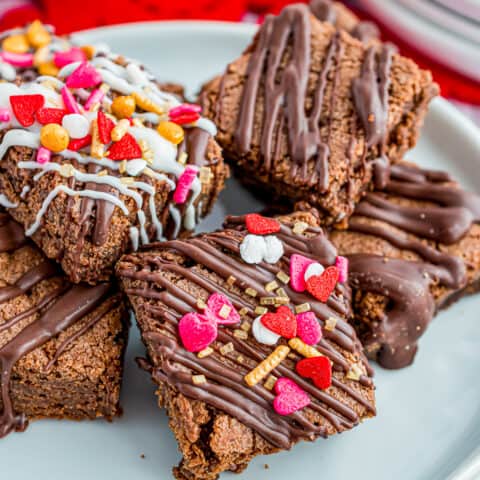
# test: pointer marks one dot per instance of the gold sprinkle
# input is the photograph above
(201, 305)
(103, 173)
(224, 312)
(127, 180)
(303, 307)
(261, 310)
(182, 158)
(122, 167)
(199, 379)
(241, 334)
(292, 356)
(205, 352)
(67, 170)
(250, 291)
(120, 129)
(96, 148)
(271, 286)
(355, 372)
(270, 382)
(283, 277)
(303, 349)
(267, 365)
(281, 292)
(227, 348)
(299, 227)
(146, 104)
(231, 280)
(240, 359)
(330, 324)
(243, 311)
(245, 326)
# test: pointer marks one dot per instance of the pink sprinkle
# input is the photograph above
(84, 76)
(95, 97)
(197, 331)
(5, 115)
(290, 397)
(298, 266)
(75, 54)
(183, 184)
(22, 60)
(214, 305)
(185, 108)
(308, 328)
(43, 155)
(69, 101)
(342, 264)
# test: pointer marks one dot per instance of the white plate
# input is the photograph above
(428, 420)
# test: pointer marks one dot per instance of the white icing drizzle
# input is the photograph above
(20, 138)
(175, 214)
(24, 192)
(5, 202)
(134, 238)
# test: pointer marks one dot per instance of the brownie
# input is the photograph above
(61, 345)
(220, 399)
(151, 178)
(414, 248)
(306, 108)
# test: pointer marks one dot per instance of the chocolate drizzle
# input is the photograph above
(225, 389)
(58, 310)
(407, 284)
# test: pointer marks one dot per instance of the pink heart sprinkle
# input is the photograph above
(298, 266)
(184, 183)
(290, 397)
(215, 303)
(75, 54)
(308, 328)
(197, 331)
(84, 76)
(342, 264)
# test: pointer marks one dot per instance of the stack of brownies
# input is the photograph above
(257, 334)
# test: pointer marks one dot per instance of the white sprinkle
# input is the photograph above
(253, 249)
(313, 269)
(262, 334)
(274, 250)
(76, 125)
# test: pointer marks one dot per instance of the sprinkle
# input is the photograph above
(137, 122)
(251, 292)
(75, 54)
(224, 312)
(103, 173)
(66, 170)
(25, 107)
(146, 104)
(38, 36)
(240, 359)
(283, 277)
(199, 379)
(47, 115)
(54, 137)
(5, 115)
(271, 286)
(262, 334)
(303, 349)
(126, 148)
(182, 158)
(282, 322)
(48, 68)
(84, 76)
(122, 167)
(281, 292)
(184, 183)
(267, 365)
(89, 51)
(41, 56)
(95, 98)
(185, 114)
(259, 225)
(290, 397)
(299, 227)
(231, 280)
(253, 249)
(120, 130)
(330, 324)
(261, 310)
(76, 125)
(69, 101)
(201, 305)
(241, 334)
(274, 300)
(303, 307)
(243, 312)
(312, 270)
(245, 326)
(319, 369)
(205, 175)
(227, 348)
(205, 352)
(79, 143)
(96, 149)
(171, 132)
(197, 331)
(322, 286)
(43, 155)
(342, 264)
(124, 106)
(355, 372)
(270, 382)
(298, 266)
(16, 44)
(308, 328)
(20, 60)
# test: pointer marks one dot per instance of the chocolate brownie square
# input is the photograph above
(414, 248)
(307, 108)
(97, 159)
(246, 361)
(61, 345)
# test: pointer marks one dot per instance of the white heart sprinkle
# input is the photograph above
(253, 249)
(135, 166)
(274, 249)
(262, 334)
(313, 269)
(76, 125)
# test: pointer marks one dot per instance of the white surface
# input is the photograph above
(428, 419)
(413, 20)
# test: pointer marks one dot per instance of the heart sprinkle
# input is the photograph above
(342, 264)
(282, 322)
(197, 331)
(308, 328)
(319, 369)
(298, 267)
(262, 334)
(220, 308)
(125, 149)
(84, 76)
(290, 397)
(321, 286)
(105, 127)
(259, 225)
(25, 106)
(313, 269)
(46, 115)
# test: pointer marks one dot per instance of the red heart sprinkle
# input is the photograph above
(282, 322)
(105, 127)
(125, 149)
(25, 106)
(321, 286)
(319, 369)
(47, 115)
(259, 225)
(78, 143)
(185, 118)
